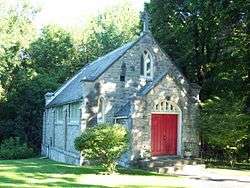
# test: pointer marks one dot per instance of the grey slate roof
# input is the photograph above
(124, 110)
(93, 70)
(72, 90)
(150, 85)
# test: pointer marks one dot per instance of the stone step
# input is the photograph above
(173, 166)
(180, 170)
(165, 170)
(162, 163)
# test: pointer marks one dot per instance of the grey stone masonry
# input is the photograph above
(129, 98)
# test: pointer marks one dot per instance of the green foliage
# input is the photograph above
(224, 127)
(108, 31)
(49, 63)
(103, 144)
(209, 41)
(16, 109)
(32, 65)
(16, 33)
(53, 53)
(13, 148)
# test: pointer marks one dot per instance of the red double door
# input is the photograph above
(164, 134)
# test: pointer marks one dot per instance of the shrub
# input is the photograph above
(13, 148)
(103, 144)
(224, 129)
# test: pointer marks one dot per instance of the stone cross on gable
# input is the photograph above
(145, 20)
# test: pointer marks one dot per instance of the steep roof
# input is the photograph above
(150, 85)
(72, 90)
(124, 111)
(93, 70)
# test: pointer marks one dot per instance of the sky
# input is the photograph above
(72, 12)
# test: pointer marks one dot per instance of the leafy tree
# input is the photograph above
(53, 53)
(49, 61)
(209, 41)
(16, 32)
(224, 126)
(32, 65)
(108, 31)
(204, 38)
(103, 144)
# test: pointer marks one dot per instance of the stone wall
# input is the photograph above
(171, 91)
(58, 138)
(117, 93)
(126, 158)
(60, 155)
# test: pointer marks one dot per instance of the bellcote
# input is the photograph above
(145, 21)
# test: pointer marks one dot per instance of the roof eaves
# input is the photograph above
(64, 103)
(171, 60)
(63, 86)
(152, 85)
(132, 45)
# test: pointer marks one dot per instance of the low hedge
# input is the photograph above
(13, 148)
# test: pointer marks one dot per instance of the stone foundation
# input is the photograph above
(61, 155)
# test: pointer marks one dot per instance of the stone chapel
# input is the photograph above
(136, 85)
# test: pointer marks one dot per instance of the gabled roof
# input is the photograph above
(124, 111)
(150, 85)
(72, 90)
(93, 70)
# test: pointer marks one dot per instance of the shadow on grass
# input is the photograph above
(46, 166)
(4, 180)
(222, 179)
(68, 184)
(44, 173)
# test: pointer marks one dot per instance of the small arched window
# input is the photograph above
(166, 106)
(123, 72)
(147, 65)
(101, 110)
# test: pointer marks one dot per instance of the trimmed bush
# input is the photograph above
(103, 144)
(13, 148)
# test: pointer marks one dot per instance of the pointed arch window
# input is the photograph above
(74, 113)
(101, 110)
(147, 65)
(123, 72)
(59, 115)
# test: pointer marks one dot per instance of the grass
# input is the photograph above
(46, 173)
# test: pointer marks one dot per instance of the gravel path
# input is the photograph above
(219, 178)
(207, 178)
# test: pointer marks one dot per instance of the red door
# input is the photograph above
(163, 134)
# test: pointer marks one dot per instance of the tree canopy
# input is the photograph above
(208, 40)
(32, 64)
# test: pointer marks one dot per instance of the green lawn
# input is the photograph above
(46, 173)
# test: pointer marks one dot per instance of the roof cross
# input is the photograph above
(145, 20)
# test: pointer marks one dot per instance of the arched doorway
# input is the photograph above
(165, 129)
